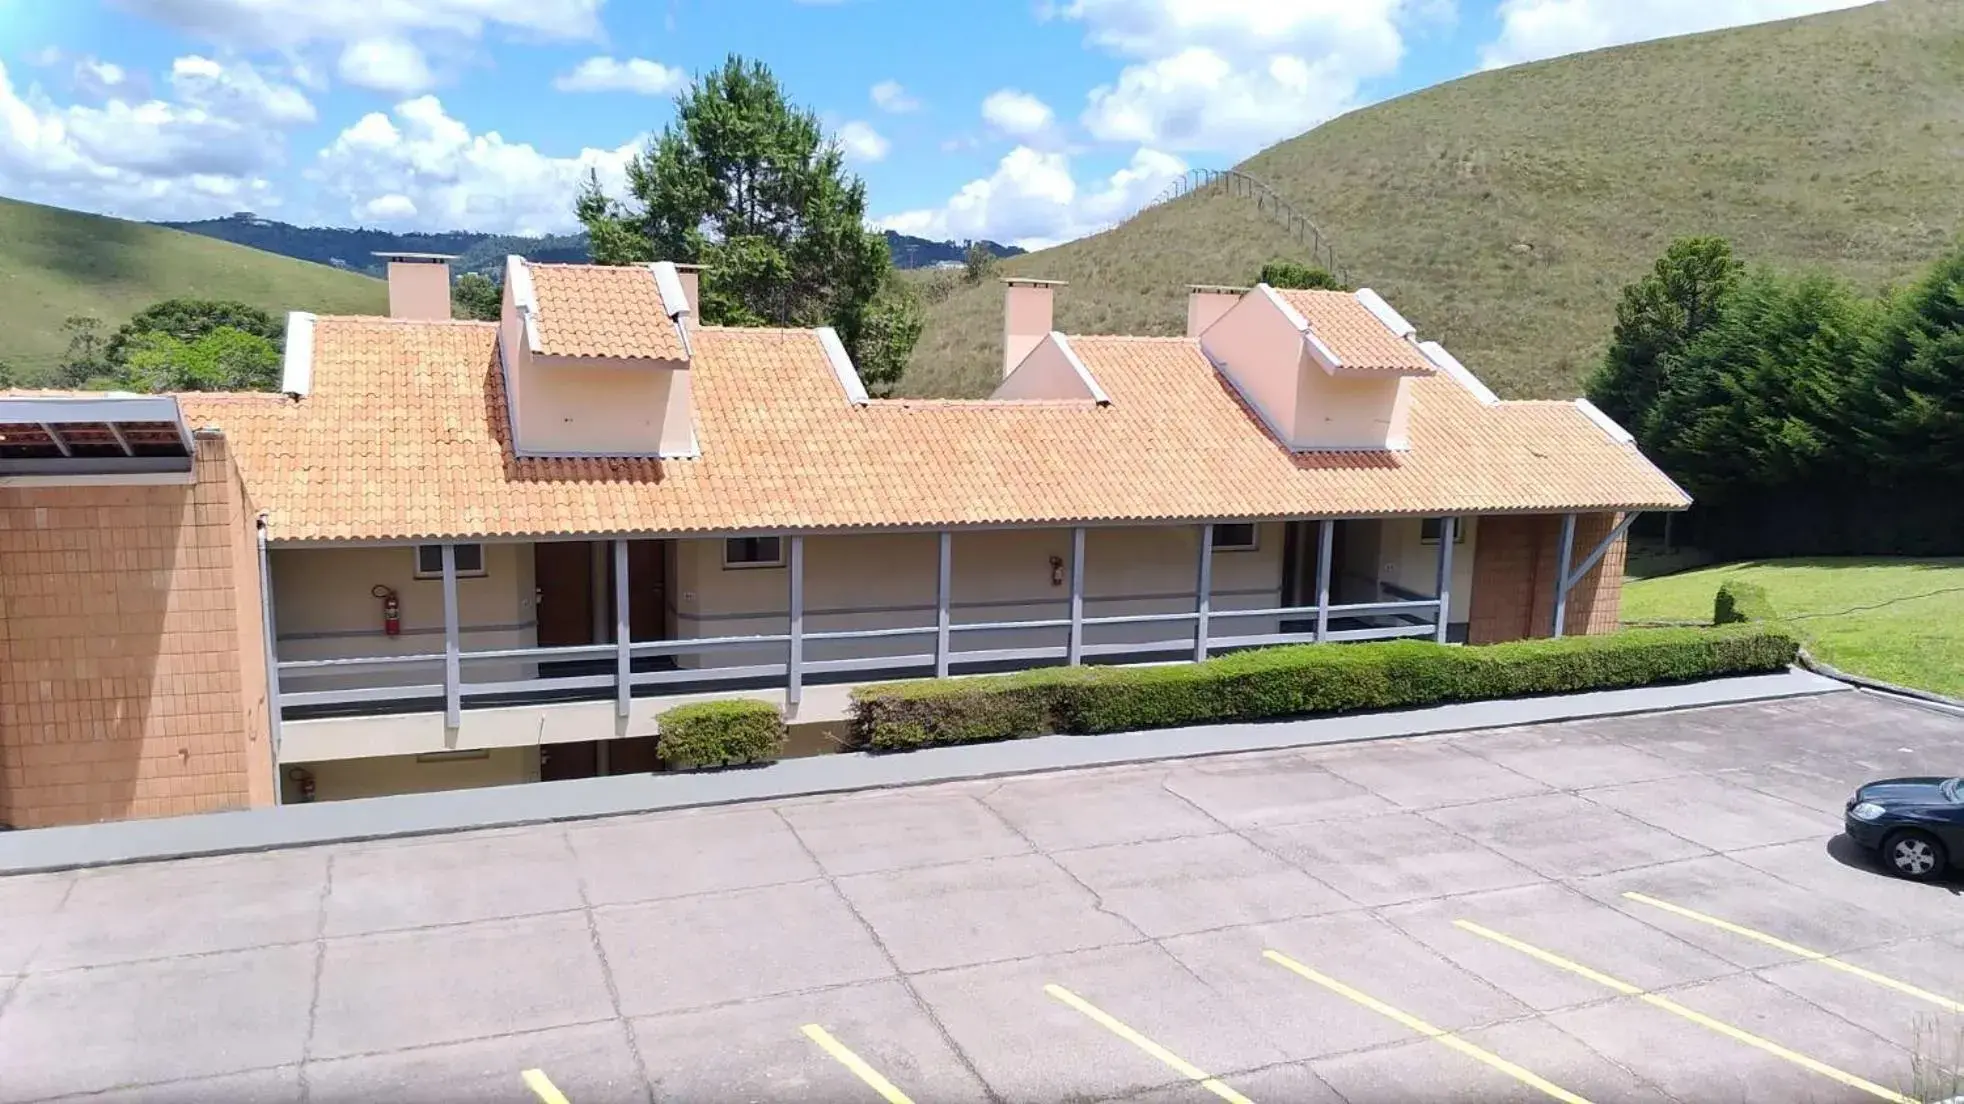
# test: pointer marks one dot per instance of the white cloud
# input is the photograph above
(1533, 29)
(385, 65)
(1033, 200)
(888, 95)
(1018, 115)
(203, 151)
(1231, 76)
(286, 23)
(606, 74)
(100, 74)
(419, 168)
(861, 142)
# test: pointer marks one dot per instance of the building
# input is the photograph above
(459, 553)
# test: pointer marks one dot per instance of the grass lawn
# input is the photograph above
(1897, 620)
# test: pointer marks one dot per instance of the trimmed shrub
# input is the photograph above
(1739, 601)
(717, 733)
(1298, 680)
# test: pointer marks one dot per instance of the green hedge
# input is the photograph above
(1739, 601)
(1297, 680)
(716, 733)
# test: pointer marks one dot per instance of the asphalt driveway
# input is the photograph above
(1639, 908)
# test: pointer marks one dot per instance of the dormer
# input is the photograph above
(597, 359)
(1327, 370)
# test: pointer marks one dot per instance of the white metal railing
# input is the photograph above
(454, 676)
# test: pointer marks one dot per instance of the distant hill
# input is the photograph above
(56, 263)
(1502, 212)
(355, 249)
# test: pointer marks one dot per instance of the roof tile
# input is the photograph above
(602, 311)
(1351, 331)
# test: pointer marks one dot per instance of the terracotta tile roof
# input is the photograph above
(1351, 331)
(405, 437)
(602, 311)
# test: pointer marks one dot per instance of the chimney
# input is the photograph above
(1206, 303)
(419, 285)
(1026, 318)
(688, 274)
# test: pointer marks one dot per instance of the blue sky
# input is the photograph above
(1023, 120)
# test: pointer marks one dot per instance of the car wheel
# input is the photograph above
(1914, 855)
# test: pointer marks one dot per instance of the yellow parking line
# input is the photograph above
(1699, 1018)
(1799, 951)
(1479, 1054)
(542, 1086)
(1182, 1066)
(856, 1064)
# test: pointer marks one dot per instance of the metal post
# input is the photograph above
(1448, 530)
(1074, 652)
(1326, 535)
(453, 697)
(795, 688)
(943, 583)
(1203, 592)
(1561, 574)
(272, 655)
(623, 656)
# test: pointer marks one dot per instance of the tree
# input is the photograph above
(477, 296)
(748, 186)
(978, 263)
(1656, 318)
(1293, 274)
(190, 319)
(83, 362)
(226, 359)
(1754, 402)
(1907, 410)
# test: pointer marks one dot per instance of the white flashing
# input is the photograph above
(1449, 364)
(1608, 424)
(690, 451)
(674, 303)
(1083, 374)
(1324, 356)
(1384, 313)
(297, 365)
(1292, 314)
(518, 277)
(835, 353)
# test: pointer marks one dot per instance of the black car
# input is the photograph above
(1915, 825)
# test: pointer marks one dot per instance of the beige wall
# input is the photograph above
(129, 680)
(1261, 352)
(381, 776)
(1409, 562)
(1045, 374)
(998, 575)
(1345, 412)
(589, 406)
(323, 609)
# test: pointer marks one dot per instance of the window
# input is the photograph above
(1428, 531)
(1236, 537)
(753, 552)
(429, 560)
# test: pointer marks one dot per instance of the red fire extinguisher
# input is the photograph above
(391, 609)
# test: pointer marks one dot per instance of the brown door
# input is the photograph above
(647, 594)
(558, 762)
(563, 573)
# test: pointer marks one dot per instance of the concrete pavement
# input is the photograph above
(1293, 925)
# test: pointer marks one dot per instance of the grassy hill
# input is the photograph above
(56, 263)
(1503, 211)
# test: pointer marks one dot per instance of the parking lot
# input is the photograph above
(1644, 908)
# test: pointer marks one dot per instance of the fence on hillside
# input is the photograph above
(1235, 184)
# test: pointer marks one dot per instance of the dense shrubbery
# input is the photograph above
(717, 733)
(1803, 416)
(1295, 681)
(1738, 600)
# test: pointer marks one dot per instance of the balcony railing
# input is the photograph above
(454, 679)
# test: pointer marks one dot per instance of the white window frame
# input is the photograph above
(482, 570)
(1254, 537)
(747, 565)
(1459, 531)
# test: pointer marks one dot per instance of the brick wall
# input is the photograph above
(132, 673)
(1514, 571)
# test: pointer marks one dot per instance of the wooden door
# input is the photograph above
(647, 590)
(563, 573)
(558, 762)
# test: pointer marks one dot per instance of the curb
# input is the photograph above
(1912, 696)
